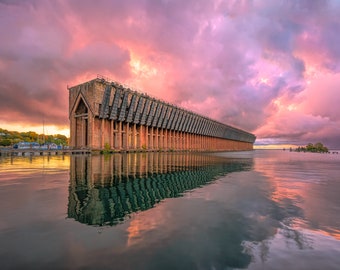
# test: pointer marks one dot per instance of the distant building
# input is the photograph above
(107, 115)
(26, 145)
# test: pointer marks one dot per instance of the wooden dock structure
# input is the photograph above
(106, 115)
(42, 152)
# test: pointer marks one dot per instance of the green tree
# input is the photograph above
(5, 142)
(310, 147)
(31, 136)
(316, 148)
(320, 147)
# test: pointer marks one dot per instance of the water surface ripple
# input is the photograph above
(265, 209)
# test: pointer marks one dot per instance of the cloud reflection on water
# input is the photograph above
(249, 210)
(232, 221)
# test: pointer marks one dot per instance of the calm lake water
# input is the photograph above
(265, 209)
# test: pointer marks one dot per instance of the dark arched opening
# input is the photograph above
(81, 119)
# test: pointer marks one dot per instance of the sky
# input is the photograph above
(270, 67)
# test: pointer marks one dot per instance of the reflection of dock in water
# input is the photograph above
(104, 189)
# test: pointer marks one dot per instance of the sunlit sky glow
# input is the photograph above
(268, 67)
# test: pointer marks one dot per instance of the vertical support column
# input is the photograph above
(183, 140)
(143, 137)
(201, 141)
(72, 131)
(160, 139)
(147, 140)
(170, 139)
(156, 146)
(175, 140)
(90, 131)
(180, 140)
(138, 145)
(125, 135)
(134, 137)
(138, 138)
(166, 139)
(191, 141)
(198, 141)
(187, 141)
(163, 138)
(101, 135)
(195, 141)
(150, 138)
(119, 136)
(111, 134)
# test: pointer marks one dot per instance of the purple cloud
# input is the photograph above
(252, 64)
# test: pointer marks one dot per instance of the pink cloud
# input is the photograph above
(323, 97)
(229, 60)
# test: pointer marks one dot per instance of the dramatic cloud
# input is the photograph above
(269, 67)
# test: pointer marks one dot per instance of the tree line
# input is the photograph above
(315, 148)
(9, 138)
